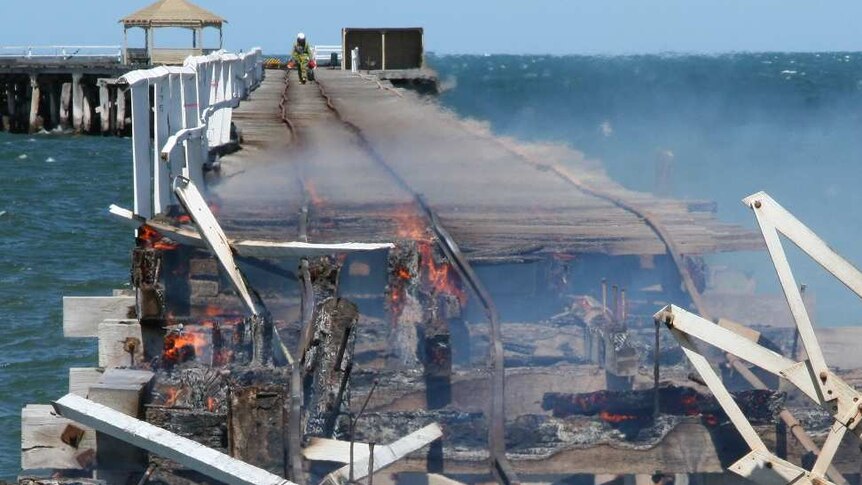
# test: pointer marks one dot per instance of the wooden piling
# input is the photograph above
(65, 101)
(104, 106)
(35, 96)
(53, 104)
(121, 110)
(86, 111)
(10, 105)
(77, 103)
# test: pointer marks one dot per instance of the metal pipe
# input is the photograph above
(655, 370)
(371, 463)
(148, 473)
(623, 311)
(353, 427)
(616, 295)
(604, 292)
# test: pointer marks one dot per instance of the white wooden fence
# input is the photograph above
(179, 114)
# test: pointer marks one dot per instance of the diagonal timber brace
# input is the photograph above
(812, 376)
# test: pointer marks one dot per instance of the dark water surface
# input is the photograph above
(55, 239)
(786, 123)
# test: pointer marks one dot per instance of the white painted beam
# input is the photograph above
(250, 247)
(156, 440)
(83, 314)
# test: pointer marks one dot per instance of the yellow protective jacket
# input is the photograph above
(301, 53)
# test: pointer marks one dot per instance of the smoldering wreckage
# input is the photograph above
(242, 361)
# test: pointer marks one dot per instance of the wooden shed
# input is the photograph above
(382, 49)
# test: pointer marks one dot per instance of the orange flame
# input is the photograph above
(172, 394)
(176, 342)
(315, 197)
(154, 239)
(211, 404)
(614, 418)
(442, 278)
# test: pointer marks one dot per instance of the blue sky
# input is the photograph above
(481, 26)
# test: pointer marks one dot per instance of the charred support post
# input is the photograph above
(257, 418)
(328, 359)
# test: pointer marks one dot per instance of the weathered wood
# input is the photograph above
(86, 112)
(65, 103)
(121, 110)
(9, 120)
(256, 422)
(50, 441)
(248, 247)
(161, 442)
(338, 451)
(120, 390)
(104, 109)
(35, 97)
(120, 343)
(81, 378)
(53, 105)
(83, 314)
(328, 360)
(77, 103)
(386, 455)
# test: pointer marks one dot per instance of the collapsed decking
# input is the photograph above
(351, 159)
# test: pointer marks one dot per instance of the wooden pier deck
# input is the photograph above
(364, 149)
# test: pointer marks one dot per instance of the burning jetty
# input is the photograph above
(373, 289)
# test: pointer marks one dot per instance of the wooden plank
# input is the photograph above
(81, 378)
(338, 451)
(120, 343)
(121, 390)
(387, 454)
(164, 443)
(83, 314)
(51, 441)
(215, 238)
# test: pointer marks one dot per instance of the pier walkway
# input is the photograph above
(363, 149)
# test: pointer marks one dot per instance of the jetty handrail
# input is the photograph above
(61, 51)
(324, 52)
(189, 108)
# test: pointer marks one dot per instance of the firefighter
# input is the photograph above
(303, 56)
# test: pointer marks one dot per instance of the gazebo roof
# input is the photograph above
(173, 13)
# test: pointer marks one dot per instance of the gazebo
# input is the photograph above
(169, 14)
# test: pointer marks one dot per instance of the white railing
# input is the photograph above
(323, 53)
(190, 110)
(63, 52)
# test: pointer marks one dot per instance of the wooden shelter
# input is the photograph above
(169, 14)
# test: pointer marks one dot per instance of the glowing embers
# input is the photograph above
(197, 388)
(150, 238)
(210, 343)
(633, 411)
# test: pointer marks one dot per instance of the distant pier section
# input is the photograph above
(78, 88)
(75, 88)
